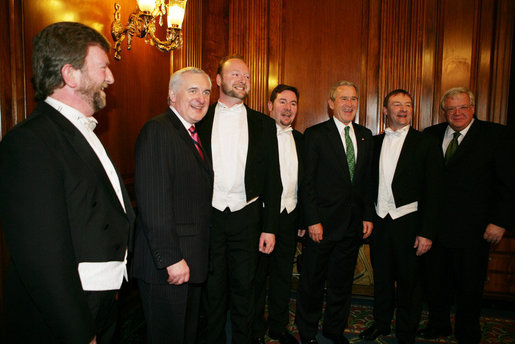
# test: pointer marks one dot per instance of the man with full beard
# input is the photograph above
(65, 213)
(242, 145)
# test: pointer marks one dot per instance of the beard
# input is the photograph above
(229, 91)
(93, 95)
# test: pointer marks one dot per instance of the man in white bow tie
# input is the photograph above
(278, 265)
(408, 173)
(66, 215)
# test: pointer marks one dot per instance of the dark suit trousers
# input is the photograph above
(171, 312)
(234, 253)
(457, 273)
(333, 261)
(394, 260)
(24, 324)
(279, 266)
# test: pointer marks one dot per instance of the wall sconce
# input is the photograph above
(142, 24)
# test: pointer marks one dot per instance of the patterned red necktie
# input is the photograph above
(196, 140)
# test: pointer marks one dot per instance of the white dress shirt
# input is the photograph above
(341, 129)
(96, 276)
(229, 145)
(390, 152)
(289, 165)
(449, 135)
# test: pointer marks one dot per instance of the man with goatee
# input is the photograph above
(242, 145)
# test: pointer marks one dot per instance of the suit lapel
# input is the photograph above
(407, 151)
(87, 154)
(297, 137)
(254, 130)
(205, 129)
(360, 142)
(467, 143)
(337, 145)
(186, 137)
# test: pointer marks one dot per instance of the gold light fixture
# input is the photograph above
(142, 23)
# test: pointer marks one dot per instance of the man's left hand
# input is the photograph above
(266, 242)
(493, 234)
(422, 245)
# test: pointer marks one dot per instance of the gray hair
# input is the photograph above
(337, 84)
(453, 92)
(176, 79)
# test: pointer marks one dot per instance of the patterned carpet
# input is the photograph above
(496, 329)
(498, 325)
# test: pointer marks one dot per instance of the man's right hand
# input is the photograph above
(94, 340)
(316, 232)
(178, 273)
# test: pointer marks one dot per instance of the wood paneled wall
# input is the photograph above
(425, 46)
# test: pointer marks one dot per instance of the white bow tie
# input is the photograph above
(89, 122)
(284, 131)
(391, 132)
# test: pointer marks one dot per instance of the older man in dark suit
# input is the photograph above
(65, 213)
(278, 265)
(173, 181)
(247, 189)
(408, 173)
(338, 208)
(478, 208)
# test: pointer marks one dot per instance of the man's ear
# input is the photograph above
(171, 96)
(330, 102)
(219, 80)
(270, 106)
(70, 75)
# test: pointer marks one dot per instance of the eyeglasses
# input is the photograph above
(453, 110)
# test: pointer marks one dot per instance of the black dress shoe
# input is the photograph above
(308, 340)
(372, 333)
(283, 337)
(430, 332)
(260, 340)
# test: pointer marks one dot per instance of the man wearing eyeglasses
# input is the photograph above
(478, 207)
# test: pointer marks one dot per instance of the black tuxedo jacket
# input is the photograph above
(173, 192)
(328, 195)
(262, 176)
(298, 137)
(479, 184)
(418, 178)
(58, 208)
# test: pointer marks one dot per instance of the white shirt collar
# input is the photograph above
(341, 126)
(77, 118)
(237, 107)
(281, 130)
(399, 132)
(450, 132)
(186, 124)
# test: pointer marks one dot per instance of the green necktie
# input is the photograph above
(452, 147)
(350, 153)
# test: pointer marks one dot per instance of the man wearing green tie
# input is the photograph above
(478, 207)
(338, 209)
